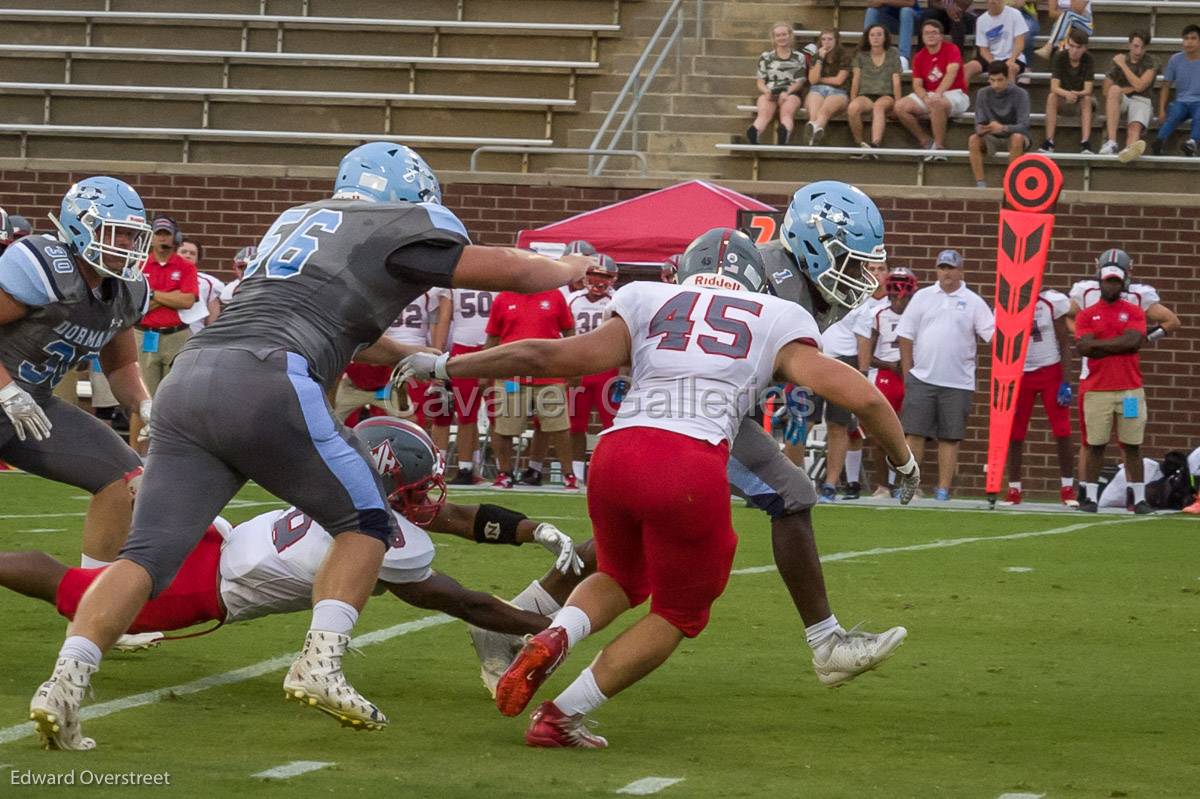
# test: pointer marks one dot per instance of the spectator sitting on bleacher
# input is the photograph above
(1127, 91)
(955, 17)
(1067, 15)
(1029, 12)
(1182, 73)
(1071, 90)
(899, 17)
(1000, 33)
(1001, 118)
(939, 89)
(781, 74)
(875, 87)
(828, 76)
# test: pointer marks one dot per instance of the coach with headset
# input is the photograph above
(174, 287)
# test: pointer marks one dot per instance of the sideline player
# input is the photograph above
(466, 329)
(62, 299)
(587, 306)
(246, 400)
(702, 353)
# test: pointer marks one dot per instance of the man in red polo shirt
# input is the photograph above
(174, 286)
(516, 317)
(1109, 334)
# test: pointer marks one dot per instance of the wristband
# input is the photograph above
(439, 366)
(497, 525)
(9, 391)
(1155, 333)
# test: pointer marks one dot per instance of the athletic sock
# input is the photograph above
(333, 616)
(853, 465)
(819, 633)
(577, 470)
(465, 466)
(536, 466)
(79, 648)
(1139, 492)
(581, 696)
(1091, 492)
(536, 599)
(88, 562)
(575, 622)
(1066, 482)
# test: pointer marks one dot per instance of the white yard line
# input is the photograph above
(44, 530)
(1020, 796)
(293, 769)
(648, 785)
(20, 731)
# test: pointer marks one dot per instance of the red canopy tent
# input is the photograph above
(647, 229)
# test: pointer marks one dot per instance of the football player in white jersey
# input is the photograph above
(240, 259)
(701, 355)
(1046, 361)
(208, 305)
(879, 354)
(464, 326)
(588, 306)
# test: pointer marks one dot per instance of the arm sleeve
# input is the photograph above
(1021, 104)
(431, 251)
(23, 279)
(1169, 72)
(761, 71)
(1147, 295)
(985, 321)
(1059, 304)
(983, 109)
(1076, 293)
(910, 320)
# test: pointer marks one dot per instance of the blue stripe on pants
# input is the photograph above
(346, 464)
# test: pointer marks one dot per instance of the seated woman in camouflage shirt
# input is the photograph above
(781, 73)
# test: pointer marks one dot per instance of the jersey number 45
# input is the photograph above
(674, 323)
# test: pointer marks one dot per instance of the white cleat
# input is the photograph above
(54, 709)
(136, 642)
(496, 653)
(316, 680)
(848, 654)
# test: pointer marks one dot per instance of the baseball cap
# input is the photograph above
(164, 223)
(1111, 270)
(950, 258)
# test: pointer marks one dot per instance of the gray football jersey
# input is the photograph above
(322, 285)
(67, 320)
(791, 284)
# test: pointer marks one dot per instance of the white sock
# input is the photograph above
(575, 622)
(79, 648)
(1091, 491)
(891, 477)
(535, 465)
(536, 599)
(465, 465)
(1066, 482)
(819, 633)
(1139, 492)
(581, 696)
(577, 469)
(1016, 485)
(853, 465)
(333, 616)
(88, 562)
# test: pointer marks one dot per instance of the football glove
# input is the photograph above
(561, 545)
(908, 478)
(1065, 395)
(144, 411)
(421, 366)
(27, 417)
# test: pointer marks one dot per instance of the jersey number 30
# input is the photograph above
(674, 323)
(281, 257)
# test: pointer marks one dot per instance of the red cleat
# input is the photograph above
(541, 655)
(503, 480)
(550, 728)
(1068, 496)
(1014, 496)
(570, 483)
(1193, 508)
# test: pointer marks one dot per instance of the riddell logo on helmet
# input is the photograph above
(712, 281)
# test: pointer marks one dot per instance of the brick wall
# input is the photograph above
(227, 212)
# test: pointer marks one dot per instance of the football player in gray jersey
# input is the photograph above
(829, 234)
(62, 299)
(246, 400)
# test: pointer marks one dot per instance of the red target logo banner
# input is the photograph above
(1031, 188)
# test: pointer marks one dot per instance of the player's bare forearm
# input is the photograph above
(906, 355)
(460, 520)
(1129, 341)
(10, 309)
(1164, 317)
(119, 362)
(1064, 344)
(866, 346)
(179, 300)
(388, 352)
(510, 269)
(445, 594)
(606, 347)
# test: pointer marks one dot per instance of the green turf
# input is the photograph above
(1076, 679)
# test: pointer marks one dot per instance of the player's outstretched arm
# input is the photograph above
(387, 352)
(606, 347)
(492, 524)
(445, 594)
(510, 269)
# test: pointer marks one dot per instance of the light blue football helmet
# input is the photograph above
(103, 216)
(386, 172)
(833, 230)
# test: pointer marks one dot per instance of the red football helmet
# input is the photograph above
(411, 465)
(599, 279)
(900, 282)
(670, 270)
(243, 257)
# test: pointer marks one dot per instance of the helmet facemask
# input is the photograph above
(848, 282)
(419, 500)
(103, 242)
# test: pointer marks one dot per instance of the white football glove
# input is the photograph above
(144, 411)
(26, 415)
(560, 544)
(909, 478)
(421, 366)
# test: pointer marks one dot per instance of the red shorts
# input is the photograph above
(659, 503)
(425, 410)
(191, 598)
(468, 393)
(592, 393)
(1044, 381)
(891, 386)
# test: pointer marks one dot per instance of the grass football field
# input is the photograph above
(1049, 654)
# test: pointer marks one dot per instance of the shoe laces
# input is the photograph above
(578, 728)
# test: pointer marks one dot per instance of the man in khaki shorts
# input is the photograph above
(516, 317)
(1127, 91)
(1109, 334)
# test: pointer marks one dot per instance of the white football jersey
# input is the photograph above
(471, 308)
(839, 339)
(588, 314)
(228, 290)
(197, 316)
(701, 357)
(1086, 293)
(1043, 341)
(268, 564)
(887, 346)
(412, 326)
